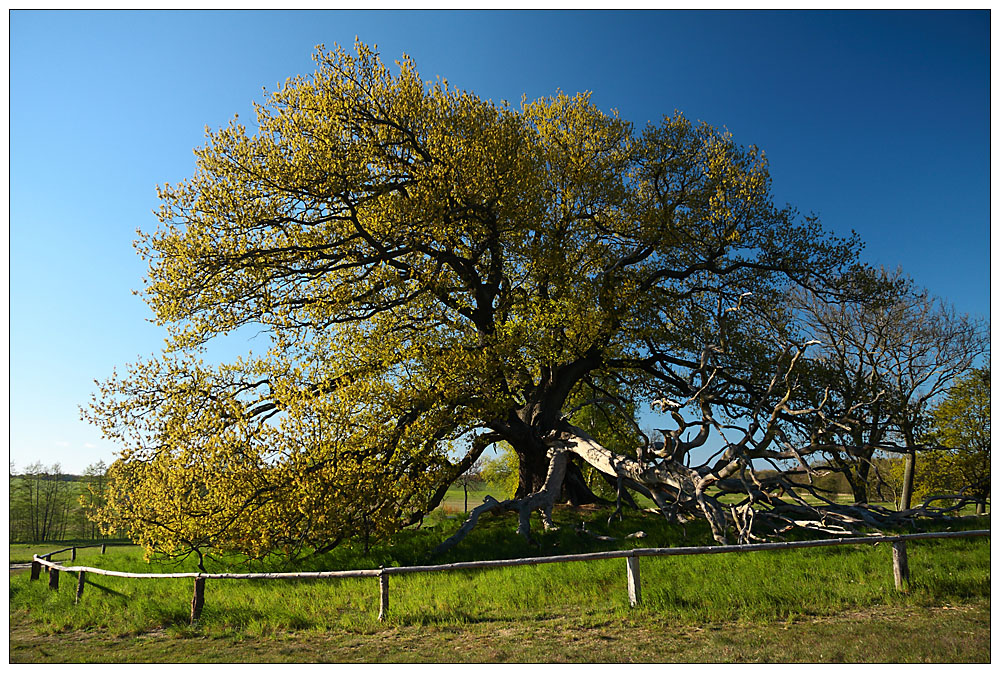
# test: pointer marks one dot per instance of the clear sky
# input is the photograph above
(875, 121)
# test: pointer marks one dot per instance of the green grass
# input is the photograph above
(730, 595)
(21, 552)
(453, 503)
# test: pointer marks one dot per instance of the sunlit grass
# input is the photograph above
(757, 587)
(454, 501)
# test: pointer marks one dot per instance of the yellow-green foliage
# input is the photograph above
(961, 423)
(500, 471)
(422, 260)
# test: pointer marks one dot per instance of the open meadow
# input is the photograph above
(805, 605)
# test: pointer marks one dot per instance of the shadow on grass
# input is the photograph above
(106, 590)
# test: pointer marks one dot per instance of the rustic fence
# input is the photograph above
(46, 560)
(900, 567)
(72, 550)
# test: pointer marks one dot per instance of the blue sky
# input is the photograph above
(875, 121)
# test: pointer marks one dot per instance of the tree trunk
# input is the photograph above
(860, 485)
(533, 468)
(857, 475)
(908, 470)
(533, 465)
(575, 489)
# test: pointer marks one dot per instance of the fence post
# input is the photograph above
(73, 554)
(634, 587)
(81, 578)
(36, 570)
(900, 568)
(198, 600)
(383, 595)
(53, 579)
(104, 547)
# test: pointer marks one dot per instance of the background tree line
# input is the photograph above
(47, 504)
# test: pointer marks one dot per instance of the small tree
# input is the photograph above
(474, 475)
(881, 364)
(92, 497)
(961, 422)
(501, 472)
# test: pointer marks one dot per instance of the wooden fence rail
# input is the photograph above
(36, 568)
(900, 567)
(72, 550)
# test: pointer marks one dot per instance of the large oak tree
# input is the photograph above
(437, 273)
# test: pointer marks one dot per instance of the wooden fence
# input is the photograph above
(72, 550)
(900, 568)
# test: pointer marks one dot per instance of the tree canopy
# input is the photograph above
(961, 423)
(437, 273)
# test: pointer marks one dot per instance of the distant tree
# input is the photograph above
(879, 366)
(961, 423)
(92, 498)
(41, 503)
(472, 476)
(17, 511)
(933, 348)
(501, 471)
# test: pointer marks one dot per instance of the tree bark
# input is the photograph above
(861, 484)
(908, 470)
(533, 465)
(575, 489)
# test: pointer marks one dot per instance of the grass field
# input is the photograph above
(834, 604)
(453, 502)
